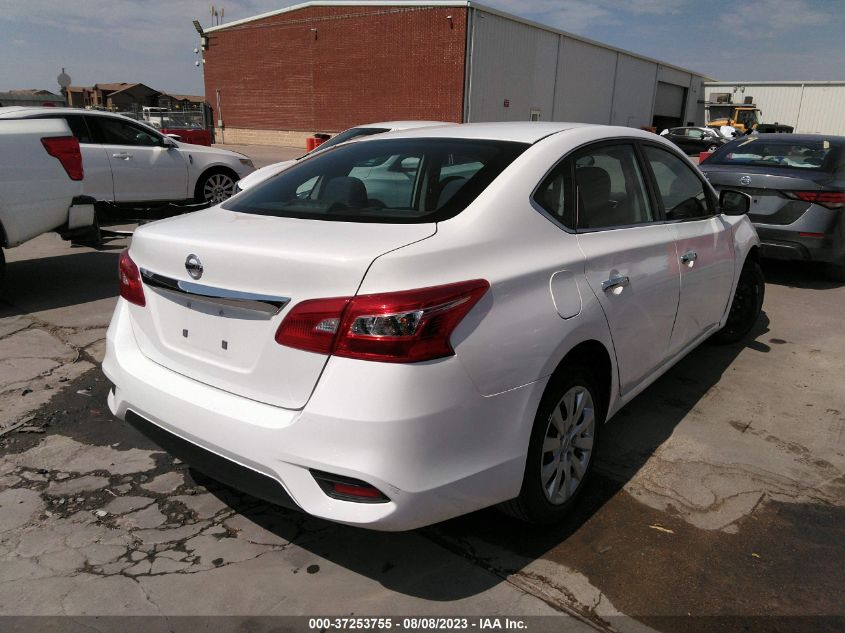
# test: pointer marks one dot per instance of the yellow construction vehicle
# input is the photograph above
(743, 117)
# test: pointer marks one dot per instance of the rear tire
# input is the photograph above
(2, 267)
(747, 304)
(562, 448)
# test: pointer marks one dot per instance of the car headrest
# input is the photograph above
(345, 190)
(594, 186)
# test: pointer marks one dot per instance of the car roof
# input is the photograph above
(515, 131)
(16, 111)
(402, 125)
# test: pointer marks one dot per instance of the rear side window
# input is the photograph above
(115, 131)
(609, 188)
(77, 125)
(783, 152)
(555, 194)
(393, 180)
(79, 128)
(682, 193)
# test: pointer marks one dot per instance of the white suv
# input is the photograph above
(129, 162)
(391, 348)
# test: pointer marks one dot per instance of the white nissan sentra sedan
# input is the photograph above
(391, 348)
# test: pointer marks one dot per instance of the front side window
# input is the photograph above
(396, 181)
(609, 188)
(115, 131)
(682, 193)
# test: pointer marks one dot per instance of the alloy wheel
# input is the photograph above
(568, 445)
(218, 187)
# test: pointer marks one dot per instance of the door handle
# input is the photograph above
(122, 156)
(689, 258)
(616, 282)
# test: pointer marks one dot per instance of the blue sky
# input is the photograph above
(152, 41)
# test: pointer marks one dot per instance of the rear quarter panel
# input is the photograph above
(515, 335)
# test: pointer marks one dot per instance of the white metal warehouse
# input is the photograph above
(326, 65)
(811, 107)
(564, 77)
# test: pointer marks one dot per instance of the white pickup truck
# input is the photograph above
(40, 182)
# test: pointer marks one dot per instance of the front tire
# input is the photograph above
(215, 186)
(562, 448)
(746, 306)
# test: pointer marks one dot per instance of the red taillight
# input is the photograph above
(312, 325)
(362, 492)
(348, 489)
(829, 199)
(131, 287)
(394, 327)
(66, 149)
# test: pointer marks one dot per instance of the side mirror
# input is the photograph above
(734, 202)
(169, 140)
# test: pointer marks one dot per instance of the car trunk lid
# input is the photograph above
(219, 328)
(769, 204)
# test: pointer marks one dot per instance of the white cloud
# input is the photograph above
(578, 15)
(771, 18)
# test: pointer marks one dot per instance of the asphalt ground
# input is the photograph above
(718, 502)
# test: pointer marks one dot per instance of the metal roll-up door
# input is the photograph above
(669, 101)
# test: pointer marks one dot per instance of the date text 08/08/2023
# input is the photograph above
(415, 624)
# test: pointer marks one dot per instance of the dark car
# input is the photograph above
(695, 139)
(797, 188)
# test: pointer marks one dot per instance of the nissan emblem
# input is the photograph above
(194, 266)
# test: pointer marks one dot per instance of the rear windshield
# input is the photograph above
(783, 152)
(395, 181)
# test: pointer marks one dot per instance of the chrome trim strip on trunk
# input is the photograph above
(265, 304)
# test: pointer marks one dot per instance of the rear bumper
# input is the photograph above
(818, 235)
(422, 434)
(224, 470)
(786, 244)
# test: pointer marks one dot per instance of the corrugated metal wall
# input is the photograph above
(810, 108)
(633, 96)
(584, 82)
(514, 63)
(516, 68)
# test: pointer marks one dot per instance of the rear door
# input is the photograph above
(142, 169)
(703, 241)
(631, 261)
(95, 162)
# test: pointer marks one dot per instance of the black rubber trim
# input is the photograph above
(219, 468)
(83, 200)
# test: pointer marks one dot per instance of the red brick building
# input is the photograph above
(325, 66)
